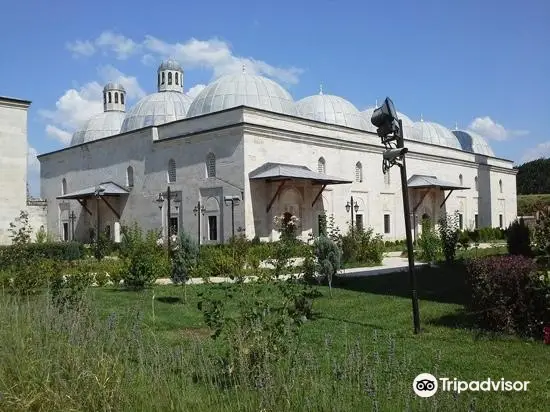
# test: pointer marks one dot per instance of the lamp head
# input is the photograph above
(348, 207)
(356, 207)
(385, 119)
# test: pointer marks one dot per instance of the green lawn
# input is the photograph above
(358, 353)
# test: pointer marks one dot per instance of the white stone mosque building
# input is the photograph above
(244, 136)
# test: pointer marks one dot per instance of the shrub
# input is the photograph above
(362, 246)
(184, 258)
(20, 229)
(464, 240)
(23, 254)
(518, 238)
(508, 295)
(31, 279)
(429, 242)
(68, 291)
(541, 239)
(329, 258)
(448, 233)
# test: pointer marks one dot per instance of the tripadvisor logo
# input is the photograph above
(426, 385)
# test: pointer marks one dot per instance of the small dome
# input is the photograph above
(434, 133)
(245, 89)
(331, 109)
(407, 122)
(99, 126)
(114, 86)
(473, 143)
(155, 109)
(170, 64)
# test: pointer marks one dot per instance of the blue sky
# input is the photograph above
(483, 64)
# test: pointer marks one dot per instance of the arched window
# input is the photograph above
(116, 97)
(104, 98)
(158, 81)
(171, 171)
(460, 179)
(63, 187)
(211, 165)
(162, 82)
(169, 78)
(476, 183)
(110, 100)
(500, 186)
(321, 165)
(177, 78)
(122, 98)
(358, 172)
(130, 176)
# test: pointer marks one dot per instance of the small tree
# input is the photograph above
(329, 258)
(185, 257)
(20, 229)
(449, 234)
(429, 242)
(518, 239)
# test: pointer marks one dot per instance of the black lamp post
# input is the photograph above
(233, 200)
(72, 218)
(350, 208)
(197, 210)
(390, 130)
(98, 193)
(169, 195)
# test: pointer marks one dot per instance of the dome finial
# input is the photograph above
(321, 89)
(376, 103)
(456, 125)
(421, 117)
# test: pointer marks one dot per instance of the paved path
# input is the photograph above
(390, 264)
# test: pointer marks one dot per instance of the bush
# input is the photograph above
(329, 258)
(32, 278)
(507, 294)
(184, 258)
(68, 291)
(541, 239)
(23, 254)
(362, 246)
(429, 242)
(518, 239)
(448, 233)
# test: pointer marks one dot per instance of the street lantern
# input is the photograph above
(197, 211)
(350, 207)
(160, 200)
(390, 129)
(356, 207)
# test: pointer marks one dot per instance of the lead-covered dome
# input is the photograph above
(251, 90)
(99, 126)
(155, 109)
(328, 108)
(434, 133)
(473, 143)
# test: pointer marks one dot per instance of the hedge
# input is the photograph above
(26, 253)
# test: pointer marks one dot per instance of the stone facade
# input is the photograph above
(13, 167)
(242, 139)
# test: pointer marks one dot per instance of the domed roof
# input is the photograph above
(114, 86)
(157, 108)
(99, 126)
(434, 133)
(474, 143)
(328, 108)
(170, 64)
(367, 115)
(233, 90)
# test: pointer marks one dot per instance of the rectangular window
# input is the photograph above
(359, 222)
(476, 221)
(500, 221)
(387, 228)
(65, 231)
(212, 228)
(461, 221)
(173, 226)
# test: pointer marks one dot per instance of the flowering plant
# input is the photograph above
(287, 225)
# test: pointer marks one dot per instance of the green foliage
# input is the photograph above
(429, 242)
(184, 258)
(323, 225)
(449, 233)
(41, 235)
(22, 254)
(541, 239)
(20, 229)
(32, 278)
(464, 240)
(528, 205)
(333, 230)
(362, 246)
(329, 258)
(68, 291)
(534, 177)
(519, 239)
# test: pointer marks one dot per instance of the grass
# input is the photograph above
(529, 204)
(151, 350)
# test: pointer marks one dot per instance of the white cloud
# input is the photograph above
(81, 48)
(195, 90)
(213, 54)
(122, 46)
(33, 165)
(77, 105)
(542, 150)
(487, 127)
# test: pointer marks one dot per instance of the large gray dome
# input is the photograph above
(474, 143)
(331, 109)
(155, 109)
(99, 126)
(434, 133)
(245, 89)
